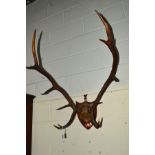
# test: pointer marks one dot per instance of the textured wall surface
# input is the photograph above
(70, 47)
(111, 139)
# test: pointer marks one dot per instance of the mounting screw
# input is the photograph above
(125, 123)
(85, 97)
(89, 151)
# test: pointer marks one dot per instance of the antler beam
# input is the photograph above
(111, 43)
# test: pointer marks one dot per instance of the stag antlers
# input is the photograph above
(86, 111)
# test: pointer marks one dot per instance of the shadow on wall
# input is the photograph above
(28, 2)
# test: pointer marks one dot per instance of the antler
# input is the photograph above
(55, 86)
(111, 43)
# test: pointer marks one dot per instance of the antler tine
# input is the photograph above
(38, 67)
(108, 28)
(97, 124)
(33, 48)
(38, 50)
(37, 60)
(67, 124)
(110, 42)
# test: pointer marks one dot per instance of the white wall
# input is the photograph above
(111, 139)
(70, 47)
